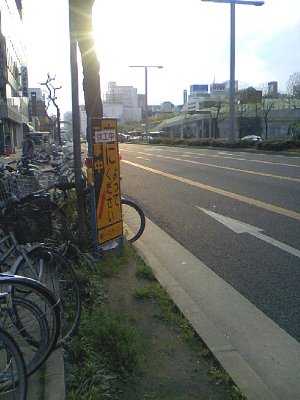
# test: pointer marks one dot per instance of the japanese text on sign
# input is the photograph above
(105, 136)
(106, 167)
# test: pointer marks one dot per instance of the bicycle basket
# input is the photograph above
(17, 186)
(28, 223)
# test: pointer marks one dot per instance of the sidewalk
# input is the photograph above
(261, 358)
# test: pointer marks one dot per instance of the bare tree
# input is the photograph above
(268, 104)
(218, 115)
(52, 99)
(242, 111)
(293, 84)
(293, 90)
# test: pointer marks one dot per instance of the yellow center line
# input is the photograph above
(286, 178)
(244, 199)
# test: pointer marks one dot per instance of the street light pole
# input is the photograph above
(146, 102)
(232, 74)
(232, 57)
(146, 92)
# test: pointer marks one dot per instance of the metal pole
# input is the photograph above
(146, 102)
(146, 91)
(232, 74)
(76, 130)
(232, 132)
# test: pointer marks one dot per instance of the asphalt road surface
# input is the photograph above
(238, 212)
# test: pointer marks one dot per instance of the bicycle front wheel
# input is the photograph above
(133, 220)
(12, 369)
(29, 312)
(54, 271)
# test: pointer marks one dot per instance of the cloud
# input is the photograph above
(280, 55)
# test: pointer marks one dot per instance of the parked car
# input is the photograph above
(251, 138)
(122, 138)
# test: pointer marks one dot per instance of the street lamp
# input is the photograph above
(146, 91)
(232, 55)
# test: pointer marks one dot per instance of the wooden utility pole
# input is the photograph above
(81, 34)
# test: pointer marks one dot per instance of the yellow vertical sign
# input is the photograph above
(106, 168)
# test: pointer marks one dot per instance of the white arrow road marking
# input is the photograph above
(241, 227)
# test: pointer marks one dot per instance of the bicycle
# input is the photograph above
(13, 379)
(30, 313)
(22, 224)
(134, 220)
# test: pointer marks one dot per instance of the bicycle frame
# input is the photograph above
(9, 245)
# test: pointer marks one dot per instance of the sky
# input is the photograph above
(190, 39)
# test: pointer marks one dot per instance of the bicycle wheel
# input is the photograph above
(13, 380)
(31, 314)
(133, 220)
(53, 270)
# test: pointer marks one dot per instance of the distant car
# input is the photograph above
(251, 138)
(122, 138)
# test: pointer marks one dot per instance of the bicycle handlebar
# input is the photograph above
(65, 186)
(5, 167)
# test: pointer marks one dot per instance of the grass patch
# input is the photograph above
(219, 376)
(106, 349)
(170, 313)
(145, 272)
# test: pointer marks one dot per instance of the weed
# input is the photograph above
(112, 261)
(206, 353)
(105, 349)
(237, 394)
(145, 272)
(219, 376)
(117, 338)
(169, 311)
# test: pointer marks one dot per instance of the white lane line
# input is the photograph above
(241, 227)
(231, 156)
(144, 158)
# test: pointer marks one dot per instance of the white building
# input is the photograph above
(13, 77)
(121, 102)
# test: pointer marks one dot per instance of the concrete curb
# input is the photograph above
(48, 383)
(55, 377)
(261, 358)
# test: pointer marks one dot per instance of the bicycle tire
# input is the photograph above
(59, 276)
(28, 325)
(31, 313)
(13, 376)
(134, 220)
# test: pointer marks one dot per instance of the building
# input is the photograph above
(68, 123)
(273, 88)
(37, 104)
(13, 77)
(185, 96)
(37, 109)
(121, 102)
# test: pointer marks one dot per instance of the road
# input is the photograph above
(200, 197)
